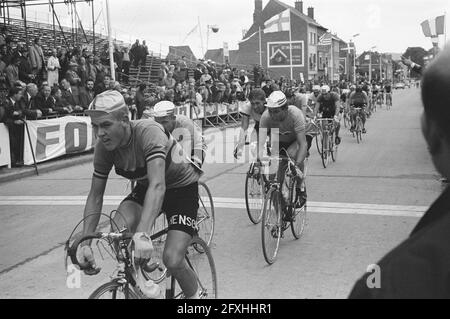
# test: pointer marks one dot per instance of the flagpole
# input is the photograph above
(290, 45)
(201, 36)
(260, 47)
(332, 61)
(111, 49)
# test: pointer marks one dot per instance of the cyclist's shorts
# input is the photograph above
(359, 105)
(326, 115)
(291, 148)
(180, 206)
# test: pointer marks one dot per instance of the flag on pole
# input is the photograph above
(190, 32)
(249, 37)
(433, 27)
(193, 30)
(325, 39)
(278, 23)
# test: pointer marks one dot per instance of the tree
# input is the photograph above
(417, 55)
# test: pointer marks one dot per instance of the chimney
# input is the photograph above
(257, 15)
(311, 12)
(299, 6)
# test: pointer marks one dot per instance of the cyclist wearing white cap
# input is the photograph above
(291, 125)
(328, 105)
(144, 152)
(312, 98)
(183, 129)
(252, 109)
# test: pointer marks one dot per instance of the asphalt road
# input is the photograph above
(360, 207)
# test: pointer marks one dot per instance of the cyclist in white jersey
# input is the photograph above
(252, 109)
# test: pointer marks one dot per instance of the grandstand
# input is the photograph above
(55, 35)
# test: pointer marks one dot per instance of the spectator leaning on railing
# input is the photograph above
(45, 102)
(13, 120)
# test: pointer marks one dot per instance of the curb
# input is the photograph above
(29, 171)
(57, 164)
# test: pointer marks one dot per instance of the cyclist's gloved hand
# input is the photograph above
(87, 261)
(298, 172)
(143, 247)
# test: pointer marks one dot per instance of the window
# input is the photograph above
(313, 38)
(312, 61)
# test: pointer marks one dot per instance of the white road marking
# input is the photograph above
(229, 203)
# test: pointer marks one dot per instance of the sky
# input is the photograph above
(390, 25)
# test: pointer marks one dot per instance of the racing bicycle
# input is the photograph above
(123, 280)
(283, 208)
(329, 149)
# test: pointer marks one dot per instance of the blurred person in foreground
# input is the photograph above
(420, 266)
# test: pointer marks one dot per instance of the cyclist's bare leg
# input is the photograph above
(174, 259)
(128, 216)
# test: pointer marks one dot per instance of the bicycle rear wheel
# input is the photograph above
(271, 226)
(254, 196)
(114, 290)
(299, 214)
(205, 214)
(204, 269)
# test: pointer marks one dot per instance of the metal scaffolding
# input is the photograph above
(5, 5)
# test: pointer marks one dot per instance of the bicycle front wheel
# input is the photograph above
(205, 214)
(254, 196)
(114, 290)
(319, 140)
(299, 213)
(333, 148)
(324, 153)
(204, 269)
(271, 226)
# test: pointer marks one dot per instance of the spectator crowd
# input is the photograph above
(35, 84)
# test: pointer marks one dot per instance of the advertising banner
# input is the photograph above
(5, 155)
(57, 137)
(280, 54)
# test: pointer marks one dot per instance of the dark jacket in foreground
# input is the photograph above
(420, 266)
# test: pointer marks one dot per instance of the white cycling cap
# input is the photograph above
(276, 99)
(106, 103)
(325, 88)
(163, 108)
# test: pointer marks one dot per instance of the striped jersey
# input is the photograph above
(148, 141)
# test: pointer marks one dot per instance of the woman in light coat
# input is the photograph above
(53, 68)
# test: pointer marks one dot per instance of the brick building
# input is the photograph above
(311, 61)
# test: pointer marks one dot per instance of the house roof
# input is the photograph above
(301, 15)
(254, 28)
(179, 51)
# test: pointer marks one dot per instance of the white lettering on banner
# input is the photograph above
(5, 155)
(183, 110)
(57, 137)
